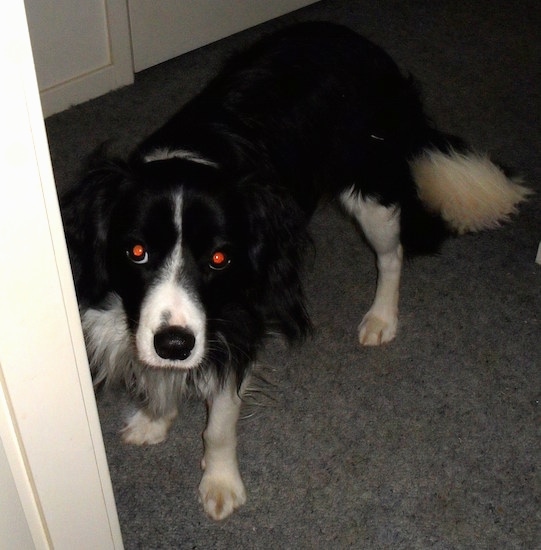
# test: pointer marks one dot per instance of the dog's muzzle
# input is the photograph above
(174, 343)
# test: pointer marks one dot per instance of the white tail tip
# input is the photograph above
(469, 191)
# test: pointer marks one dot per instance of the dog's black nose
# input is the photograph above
(174, 343)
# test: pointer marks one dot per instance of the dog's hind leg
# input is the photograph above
(381, 226)
(221, 489)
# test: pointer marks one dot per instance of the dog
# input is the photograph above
(187, 254)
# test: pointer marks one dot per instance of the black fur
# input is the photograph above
(299, 118)
(316, 109)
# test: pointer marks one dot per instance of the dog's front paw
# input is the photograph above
(375, 330)
(141, 429)
(221, 494)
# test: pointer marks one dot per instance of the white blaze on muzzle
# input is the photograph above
(171, 330)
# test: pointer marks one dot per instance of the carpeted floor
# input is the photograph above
(432, 441)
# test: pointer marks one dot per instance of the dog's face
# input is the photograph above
(178, 257)
(204, 265)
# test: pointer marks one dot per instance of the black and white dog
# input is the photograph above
(187, 255)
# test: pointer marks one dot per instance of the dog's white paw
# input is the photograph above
(141, 429)
(375, 330)
(221, 494)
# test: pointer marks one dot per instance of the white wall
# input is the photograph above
(162, 30)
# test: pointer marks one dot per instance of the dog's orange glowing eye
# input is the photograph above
(219, 260)
(138, 254)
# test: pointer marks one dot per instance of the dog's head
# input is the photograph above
(204, 264)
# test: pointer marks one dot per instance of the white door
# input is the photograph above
(167, 28)
(81, 49)
(55, 488)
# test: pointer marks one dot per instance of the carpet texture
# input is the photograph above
(432, 441)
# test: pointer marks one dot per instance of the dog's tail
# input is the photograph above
(466, 189)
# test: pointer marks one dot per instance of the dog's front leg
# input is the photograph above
(144, 428)
(221, 489)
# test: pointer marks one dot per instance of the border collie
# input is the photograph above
(187, 254)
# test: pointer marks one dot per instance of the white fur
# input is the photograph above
(381, 226)
(166, 153)
(109, 344)
(114, 358)
(221, 489)
(143, 429)
(107, 339)
(170, 302)
(469, 191)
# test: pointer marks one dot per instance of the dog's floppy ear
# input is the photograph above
(278, 239)
(86, 211)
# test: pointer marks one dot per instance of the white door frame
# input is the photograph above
(49, 427)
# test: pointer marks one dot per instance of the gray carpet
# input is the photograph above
(432, 441)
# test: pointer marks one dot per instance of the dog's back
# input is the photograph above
(317, 105)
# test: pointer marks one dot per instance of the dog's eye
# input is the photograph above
(138, 254)
(219, 260)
